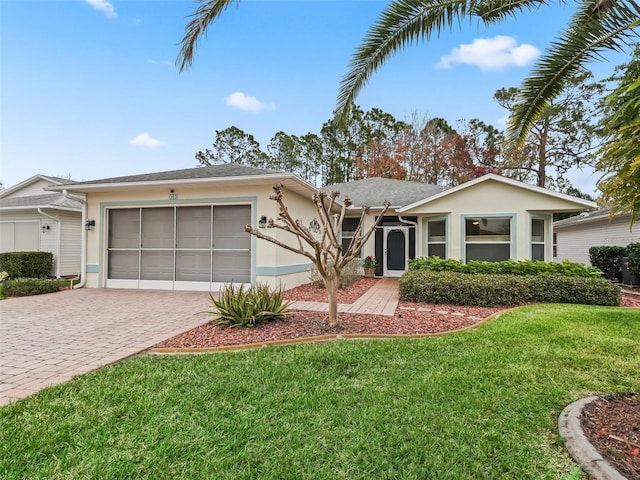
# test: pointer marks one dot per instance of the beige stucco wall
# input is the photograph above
(490, 199)
(270, 263)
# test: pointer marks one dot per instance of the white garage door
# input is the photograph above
(19, 236)
(182, 248)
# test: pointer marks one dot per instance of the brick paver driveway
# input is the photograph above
(47, 339)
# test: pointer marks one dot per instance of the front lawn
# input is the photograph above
(478, 404)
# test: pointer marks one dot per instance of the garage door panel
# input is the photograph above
(157, 228)
(228, 226)
(193, 266)
(7, 236)
(157, 266)
(124, 228)
(232, 267)
(123, 265)
(193, 227)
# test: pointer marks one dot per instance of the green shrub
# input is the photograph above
(247, 307)
(27, 264)
(633, 252)
(495, 289)
(23, 287)
(505, 267)
(608, 260)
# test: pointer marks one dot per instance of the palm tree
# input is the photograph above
(595, 27)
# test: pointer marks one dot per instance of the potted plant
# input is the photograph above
(369, 264)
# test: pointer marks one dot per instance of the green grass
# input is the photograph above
(481, 404)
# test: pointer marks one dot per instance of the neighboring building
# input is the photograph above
(184, 229)
(574, 236)
(34, 219)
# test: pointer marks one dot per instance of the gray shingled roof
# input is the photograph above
(49, 200)
(213, 171)
(374, 191)
(583, 217)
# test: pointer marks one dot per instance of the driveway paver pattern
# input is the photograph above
(48, 339)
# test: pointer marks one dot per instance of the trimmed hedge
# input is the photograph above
(505, 267)
(24, 287)
(633, 252)
(609, 260)
(489, 290)
(27, 264)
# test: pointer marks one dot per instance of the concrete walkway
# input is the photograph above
(47, 339)
(381, 299)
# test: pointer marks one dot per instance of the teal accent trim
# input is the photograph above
(548, 234)
(283, 270)
(514, 231)
(93, 269)
(189, 201)
(425, 233)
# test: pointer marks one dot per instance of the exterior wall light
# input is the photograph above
(89, 224)
(262, 223)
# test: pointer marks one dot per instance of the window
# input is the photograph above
(437, 238)
(488, 239)
(537, 239)
(349, 226)
(555, 244)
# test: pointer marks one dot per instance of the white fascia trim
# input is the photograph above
(37, 207)
(601, 218)
(247, 179)
(507, 181)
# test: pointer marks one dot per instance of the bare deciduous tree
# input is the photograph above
(324, 248)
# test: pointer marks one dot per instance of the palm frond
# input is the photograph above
(206, 13)
(589, 34)
(402, 22)
(495, 11)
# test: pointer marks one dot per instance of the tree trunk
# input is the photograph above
(332, 291)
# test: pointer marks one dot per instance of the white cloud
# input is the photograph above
(245, 102)
(494, 53)
(104, 6)
(145, 140)
(503, 121)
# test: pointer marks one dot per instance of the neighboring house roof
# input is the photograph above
(372, 192)
(589, 217)
(31, 180)
(578, 202)
(228, 173)
(55, 201)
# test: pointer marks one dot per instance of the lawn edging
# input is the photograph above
(314, 339)
(579, 447)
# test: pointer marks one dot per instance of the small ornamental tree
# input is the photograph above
(324, 249)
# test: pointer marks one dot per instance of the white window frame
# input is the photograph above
(512, 217)
(444, 242)
(532, 242)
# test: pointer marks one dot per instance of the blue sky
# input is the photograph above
(89, 87)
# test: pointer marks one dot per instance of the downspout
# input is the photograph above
(83, 246)
(57, 239)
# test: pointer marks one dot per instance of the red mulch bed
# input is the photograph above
(612, 425)
(406, 321)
